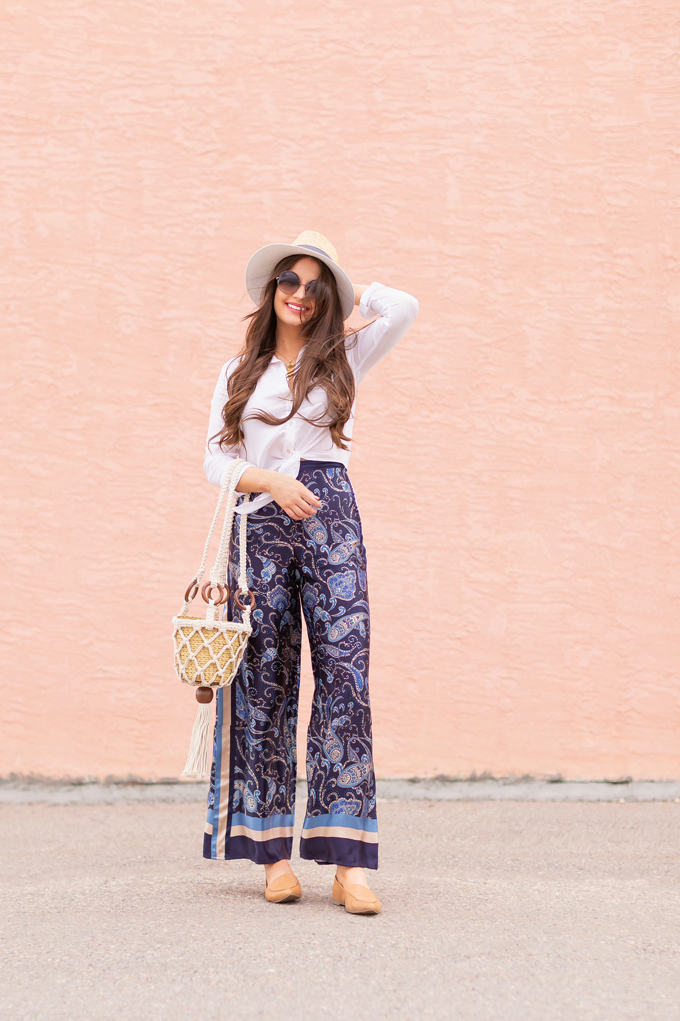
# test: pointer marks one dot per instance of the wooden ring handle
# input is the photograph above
(191, 592)
(237, 599)
(208, 587)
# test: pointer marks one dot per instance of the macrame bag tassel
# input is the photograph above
(199, 757)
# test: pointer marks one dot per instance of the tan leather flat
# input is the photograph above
(283, 888)
(358, 900)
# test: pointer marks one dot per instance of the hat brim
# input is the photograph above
(261, 264)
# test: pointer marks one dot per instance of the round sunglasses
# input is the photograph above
(289, 282)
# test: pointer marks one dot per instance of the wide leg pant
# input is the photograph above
(319, 563)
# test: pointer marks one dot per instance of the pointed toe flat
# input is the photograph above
(358, 900)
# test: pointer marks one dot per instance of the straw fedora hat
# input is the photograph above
(261, 266)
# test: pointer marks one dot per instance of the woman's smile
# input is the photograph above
(295, 308)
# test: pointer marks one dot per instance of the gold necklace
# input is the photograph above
(290, 366)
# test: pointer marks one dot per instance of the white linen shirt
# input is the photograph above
(281, 447)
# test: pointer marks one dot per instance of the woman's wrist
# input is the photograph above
(358, 291)
(256, 480)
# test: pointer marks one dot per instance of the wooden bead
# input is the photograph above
(204, 695)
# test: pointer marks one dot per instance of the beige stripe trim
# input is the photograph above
(224, 773)
(275, 831)
(209, 828)
(341, 831)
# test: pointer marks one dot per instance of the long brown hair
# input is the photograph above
(323, 362)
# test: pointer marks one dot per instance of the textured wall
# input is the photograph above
(513, 165)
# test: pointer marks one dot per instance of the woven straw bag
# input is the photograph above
(208, 651)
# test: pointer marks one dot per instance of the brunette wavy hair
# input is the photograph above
(323, 363)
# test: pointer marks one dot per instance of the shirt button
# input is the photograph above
(288, 450)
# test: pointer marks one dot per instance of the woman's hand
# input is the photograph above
(293, 498)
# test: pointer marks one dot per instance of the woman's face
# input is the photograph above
(292, 309)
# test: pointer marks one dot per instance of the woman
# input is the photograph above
(286, 405)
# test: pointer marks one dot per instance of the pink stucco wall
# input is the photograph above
(513, 165)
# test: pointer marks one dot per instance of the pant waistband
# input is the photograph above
(307, 462)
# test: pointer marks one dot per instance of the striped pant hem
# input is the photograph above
(328, 840)
(340, 840)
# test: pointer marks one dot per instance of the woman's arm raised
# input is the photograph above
(396, 309)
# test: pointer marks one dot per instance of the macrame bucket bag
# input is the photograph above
(208, 651)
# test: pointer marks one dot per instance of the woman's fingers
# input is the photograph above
(298, 504)
(306, 503)
(303, 511)
(300, 509)
(311, 498)
(289, 494)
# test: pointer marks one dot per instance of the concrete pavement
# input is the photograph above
(494, 910)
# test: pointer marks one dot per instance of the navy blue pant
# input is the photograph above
(319, 565)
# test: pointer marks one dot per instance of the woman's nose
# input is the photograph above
(301, 292)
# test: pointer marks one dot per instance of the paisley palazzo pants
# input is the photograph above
(317, 565)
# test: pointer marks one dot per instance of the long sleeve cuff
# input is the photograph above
(216, 463)
(241, 470)
(365, 309)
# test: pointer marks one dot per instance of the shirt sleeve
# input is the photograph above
(396, 309)
(218, 458)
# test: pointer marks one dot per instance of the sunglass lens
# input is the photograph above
(312, 288)
(288, 282)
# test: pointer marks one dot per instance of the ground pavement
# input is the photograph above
(501, 902)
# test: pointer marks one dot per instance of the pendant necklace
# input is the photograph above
(290, 367)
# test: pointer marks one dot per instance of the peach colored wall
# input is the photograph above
(514, 165)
